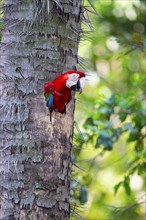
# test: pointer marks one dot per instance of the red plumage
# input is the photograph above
(58, 92)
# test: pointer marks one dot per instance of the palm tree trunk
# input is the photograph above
(35, 154)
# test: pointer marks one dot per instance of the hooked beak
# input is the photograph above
(81, 84)
(79, 88)
(76, 85)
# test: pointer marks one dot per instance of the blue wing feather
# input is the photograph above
(50, 101)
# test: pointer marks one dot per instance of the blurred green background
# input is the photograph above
(109, 155)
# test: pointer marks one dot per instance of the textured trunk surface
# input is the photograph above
(35, 155)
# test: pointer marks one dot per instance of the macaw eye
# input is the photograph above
(73, 77)
(72, 80)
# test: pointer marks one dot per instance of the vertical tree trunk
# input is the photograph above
(35, 154)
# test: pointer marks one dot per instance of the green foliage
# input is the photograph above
(111, 119)
(102, 128)
(125, 183)
(109, 149)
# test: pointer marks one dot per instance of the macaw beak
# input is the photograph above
(75, 83)
(81, 84)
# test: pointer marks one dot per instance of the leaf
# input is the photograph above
(117, 186)
(142, 169)
(132, 170)
(116, 133)
(106, 110)
(122, 116)
(129, 126)
(83, 194)
(111, 100)
(89, 121)
(104, 139)
(139, 147)
(126, 185)
(139, 121)
(132, 137)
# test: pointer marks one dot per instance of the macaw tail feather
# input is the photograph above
(50, 115)
(50, 101)
(49, 104)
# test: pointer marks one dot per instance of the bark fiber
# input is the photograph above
(35, 154)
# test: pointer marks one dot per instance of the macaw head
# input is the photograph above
(76, 80)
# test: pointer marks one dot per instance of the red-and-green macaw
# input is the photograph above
(58, 92)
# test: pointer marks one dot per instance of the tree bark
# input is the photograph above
(35, 154)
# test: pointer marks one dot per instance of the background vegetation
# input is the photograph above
(109, 151)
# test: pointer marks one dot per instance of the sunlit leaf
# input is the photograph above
(126, 185)
(142, 169)
(122, 116)
(117, 186)
(132, 137)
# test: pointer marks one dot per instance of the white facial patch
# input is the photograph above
(72, 80)
(82, 83)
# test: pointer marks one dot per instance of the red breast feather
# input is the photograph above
(62, 94)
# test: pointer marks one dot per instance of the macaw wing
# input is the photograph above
(49, 101)
(49, 95)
